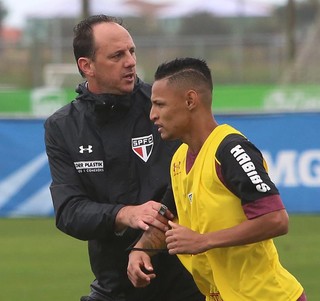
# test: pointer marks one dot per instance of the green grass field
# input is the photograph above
(39, 263)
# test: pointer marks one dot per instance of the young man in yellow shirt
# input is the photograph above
(228, 209)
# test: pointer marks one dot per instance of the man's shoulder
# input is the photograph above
(67, 112)
(60, 113)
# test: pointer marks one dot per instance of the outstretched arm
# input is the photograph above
(142, 217)
(182, 240)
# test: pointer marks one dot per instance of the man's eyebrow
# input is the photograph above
(115, 52)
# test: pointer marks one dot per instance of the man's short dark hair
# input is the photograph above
(83, 41)
(192, 69)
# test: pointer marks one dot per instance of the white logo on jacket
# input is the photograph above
(83, 149)
(89, 166)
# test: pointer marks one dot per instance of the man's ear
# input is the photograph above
(85, 65)
(191, 99)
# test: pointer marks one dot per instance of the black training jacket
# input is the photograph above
(104, 153)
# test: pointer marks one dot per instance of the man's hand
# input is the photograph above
(140, 270)
(142, 216)
(182, 240)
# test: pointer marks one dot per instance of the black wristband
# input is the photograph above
(148, 250)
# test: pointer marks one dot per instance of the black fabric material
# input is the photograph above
(234, 177)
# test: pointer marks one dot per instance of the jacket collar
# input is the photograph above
(105, 107)
(106, 101)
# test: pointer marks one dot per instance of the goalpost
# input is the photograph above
(52, 95)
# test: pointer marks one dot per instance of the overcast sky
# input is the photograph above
(18, 10)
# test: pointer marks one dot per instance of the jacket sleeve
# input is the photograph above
(168, 200)
(76, 214)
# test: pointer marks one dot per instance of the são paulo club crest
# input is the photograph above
(142, 147)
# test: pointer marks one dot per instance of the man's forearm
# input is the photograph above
(152, 241)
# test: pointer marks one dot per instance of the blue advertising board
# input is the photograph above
(24, 171)
(289, 142)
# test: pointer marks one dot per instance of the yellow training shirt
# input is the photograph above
(250, 272)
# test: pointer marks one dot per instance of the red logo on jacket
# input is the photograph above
(142, 147)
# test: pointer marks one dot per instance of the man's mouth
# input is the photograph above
(159, 127)
(129, 76)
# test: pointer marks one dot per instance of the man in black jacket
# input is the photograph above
(110, 168)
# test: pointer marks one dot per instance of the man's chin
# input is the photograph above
(165, 137)
(128, 89)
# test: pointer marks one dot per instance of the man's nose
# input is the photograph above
(152, 114)
(131, 60)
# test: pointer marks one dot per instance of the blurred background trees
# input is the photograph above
(242, 48)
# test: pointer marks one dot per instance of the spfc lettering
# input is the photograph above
(143, 146)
